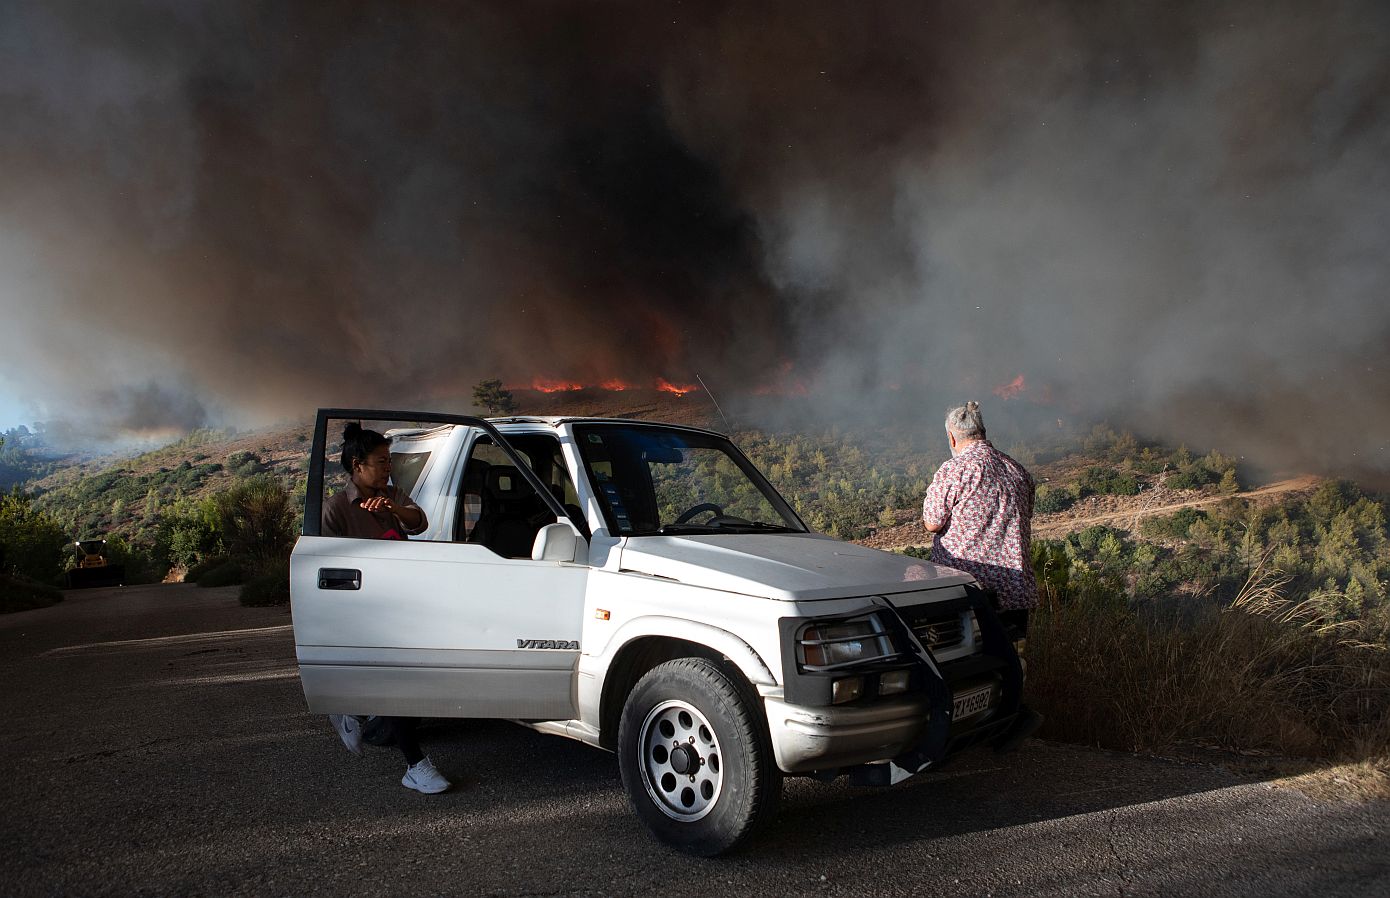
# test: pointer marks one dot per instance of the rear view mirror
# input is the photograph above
(661, 455)
(556, 542)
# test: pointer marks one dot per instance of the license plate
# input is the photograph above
(972, 702)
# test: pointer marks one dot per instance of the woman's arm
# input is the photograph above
(411, 516)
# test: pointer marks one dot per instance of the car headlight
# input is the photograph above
(826, 645)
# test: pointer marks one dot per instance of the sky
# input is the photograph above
(1172, 216)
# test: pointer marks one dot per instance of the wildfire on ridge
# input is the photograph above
(1011, 390)
(612, 385)
(679, 389)
(547, 385)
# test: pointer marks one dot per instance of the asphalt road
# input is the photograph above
(157, 743)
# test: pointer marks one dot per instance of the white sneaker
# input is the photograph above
(349, 730)
(423, 777)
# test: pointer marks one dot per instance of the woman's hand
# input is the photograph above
(378, 503)
(408, 515)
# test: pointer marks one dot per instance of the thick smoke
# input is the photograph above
(1171, 215)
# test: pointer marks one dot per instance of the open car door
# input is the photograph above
(435, 626)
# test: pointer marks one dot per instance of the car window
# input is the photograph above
(498, 508)
(406, 468)
(656, 480)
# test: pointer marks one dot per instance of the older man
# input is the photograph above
(980, 509)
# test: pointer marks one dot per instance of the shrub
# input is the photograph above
(1051, 565)
(257, 520)
(1091, 539)
(1052, 499)
(1173, 526)
(1192, 478)
(269, 587)
(204, 567)
(230, 573)
(141, 563)
(1105, 481)
(20, 594)
(245, 464)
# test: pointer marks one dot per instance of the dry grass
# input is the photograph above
(1361, 781)
(1268, 673)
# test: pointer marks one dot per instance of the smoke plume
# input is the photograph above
(1171, 215)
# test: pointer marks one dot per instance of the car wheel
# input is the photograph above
(695, 757)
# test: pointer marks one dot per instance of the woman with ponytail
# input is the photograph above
(371, 507)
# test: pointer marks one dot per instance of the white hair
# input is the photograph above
(965, 421)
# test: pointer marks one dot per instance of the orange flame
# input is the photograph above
(679, 389)
(548, 385)
(1011, 390)
(615, 385)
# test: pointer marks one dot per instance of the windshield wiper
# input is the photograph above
(691, 528)
(741, 527)
(761, 526)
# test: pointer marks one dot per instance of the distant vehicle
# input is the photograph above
(93, 567)
(642, 588)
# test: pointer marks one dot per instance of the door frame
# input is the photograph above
(313, 496)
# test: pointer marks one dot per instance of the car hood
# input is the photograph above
(786, 566)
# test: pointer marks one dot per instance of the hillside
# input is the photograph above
(1123, 513)
(96, 497)
(865, 487)
(859, 486)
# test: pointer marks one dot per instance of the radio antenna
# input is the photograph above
(715, 401)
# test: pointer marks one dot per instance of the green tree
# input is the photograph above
(192, 530)
(34, 544)
(492, 396)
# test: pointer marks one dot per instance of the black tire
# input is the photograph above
(728, 783)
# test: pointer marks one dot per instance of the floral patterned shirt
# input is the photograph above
(986, 500)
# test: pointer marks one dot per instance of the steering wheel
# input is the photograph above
(691, 512)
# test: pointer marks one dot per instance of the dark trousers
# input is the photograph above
(397, 730)
(1015, 623)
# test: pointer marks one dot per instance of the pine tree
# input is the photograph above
(498, 401)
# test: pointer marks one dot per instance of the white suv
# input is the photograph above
(641, 587)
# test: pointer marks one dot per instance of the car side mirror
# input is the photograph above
(556, 542)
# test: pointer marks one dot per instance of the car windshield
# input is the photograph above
(655, 480)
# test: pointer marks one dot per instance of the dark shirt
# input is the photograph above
(342, 516)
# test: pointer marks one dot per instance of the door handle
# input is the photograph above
(339, 578)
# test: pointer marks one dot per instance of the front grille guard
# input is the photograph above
(937, 742)
(888, 659)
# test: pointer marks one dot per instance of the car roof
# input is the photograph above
(558, 420)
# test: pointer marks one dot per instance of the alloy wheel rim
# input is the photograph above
(681, 759)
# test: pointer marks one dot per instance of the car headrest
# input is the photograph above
(504, 481)
(475, 476)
